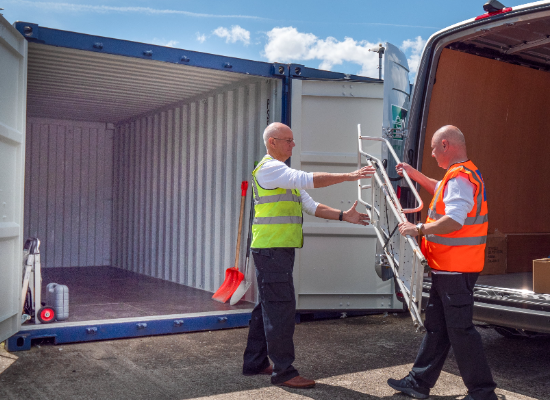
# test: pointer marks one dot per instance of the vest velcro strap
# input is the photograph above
(277, 220)
(289, 196)
(477, 220)
(459, 241)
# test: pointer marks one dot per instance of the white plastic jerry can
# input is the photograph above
(57, 297)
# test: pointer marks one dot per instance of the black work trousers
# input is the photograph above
(273, 318)
(449, 323)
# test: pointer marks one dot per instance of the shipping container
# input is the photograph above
(125, 159)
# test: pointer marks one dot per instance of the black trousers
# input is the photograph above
(449, 323)
(273, 318)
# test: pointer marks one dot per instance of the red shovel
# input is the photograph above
(233, 276)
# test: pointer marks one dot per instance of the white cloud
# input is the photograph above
(234, 35)
(164, 42)
(201, 38)
(413, 48)
(286, 44)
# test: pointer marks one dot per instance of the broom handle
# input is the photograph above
(243, 197)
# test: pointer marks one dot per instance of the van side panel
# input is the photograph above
(501, 109)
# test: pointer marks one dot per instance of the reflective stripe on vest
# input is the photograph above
(277, 215)
(464, 249)
(460, 241)
(480, 219)
(277, 220)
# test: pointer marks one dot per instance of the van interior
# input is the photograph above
(495, 86)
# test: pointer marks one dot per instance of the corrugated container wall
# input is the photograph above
(177, 179)
(68, 191)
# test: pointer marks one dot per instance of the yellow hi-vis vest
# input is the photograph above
(464, 249)
(277, 215)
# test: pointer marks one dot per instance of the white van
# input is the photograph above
(490, 77)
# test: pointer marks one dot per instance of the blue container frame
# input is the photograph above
(99, 44)
(82, 332)
(107, 330)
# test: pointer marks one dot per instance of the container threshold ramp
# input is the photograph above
(401, 254)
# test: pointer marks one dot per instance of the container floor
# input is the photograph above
(97, 293)
(519, 280)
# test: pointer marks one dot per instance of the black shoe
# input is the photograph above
(406, 386)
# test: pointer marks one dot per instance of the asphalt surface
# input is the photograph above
(349, 358)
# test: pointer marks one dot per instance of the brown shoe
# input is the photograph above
(267, 371)
(298, 382)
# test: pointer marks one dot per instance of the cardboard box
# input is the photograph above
(495, 254)
(541, 276)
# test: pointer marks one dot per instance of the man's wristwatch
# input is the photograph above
(419, 228)
(341, 216)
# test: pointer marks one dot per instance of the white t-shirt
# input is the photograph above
(458, 198)
(276, 174)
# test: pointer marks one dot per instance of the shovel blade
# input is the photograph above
(239, 293)
(233, 277)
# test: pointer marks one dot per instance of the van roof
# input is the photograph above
(503, 36)
(515, 10)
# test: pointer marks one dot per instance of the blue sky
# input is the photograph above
(320, 34)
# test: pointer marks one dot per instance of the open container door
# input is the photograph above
(13, 75)
(334, 271)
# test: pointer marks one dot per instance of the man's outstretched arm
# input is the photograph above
(324, 179)
(417, 176)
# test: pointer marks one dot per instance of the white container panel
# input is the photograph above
(335, 268)
(13, 88)
(68, 186)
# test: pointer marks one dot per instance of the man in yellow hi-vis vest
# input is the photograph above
(453, 242)
(279, 199)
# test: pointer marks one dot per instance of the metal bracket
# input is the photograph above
(296, 70)
(280, 69)
(395, 133)
(30, 31)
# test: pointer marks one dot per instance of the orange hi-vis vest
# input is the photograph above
(464, 249)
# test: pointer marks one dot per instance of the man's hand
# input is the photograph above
(415, 175)
(404, 166)
(355, 217)
(406, 228)
(363, 173)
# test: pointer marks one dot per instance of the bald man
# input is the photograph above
(453, 242)
(279, 199)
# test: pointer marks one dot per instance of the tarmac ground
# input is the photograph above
(349, 358)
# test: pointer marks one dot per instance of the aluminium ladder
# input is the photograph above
(401, 254)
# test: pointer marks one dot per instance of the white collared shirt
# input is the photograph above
(458, 198)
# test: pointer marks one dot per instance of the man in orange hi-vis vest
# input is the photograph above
(453, 242)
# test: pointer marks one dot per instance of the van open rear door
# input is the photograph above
(398, 258)
(13, 89)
